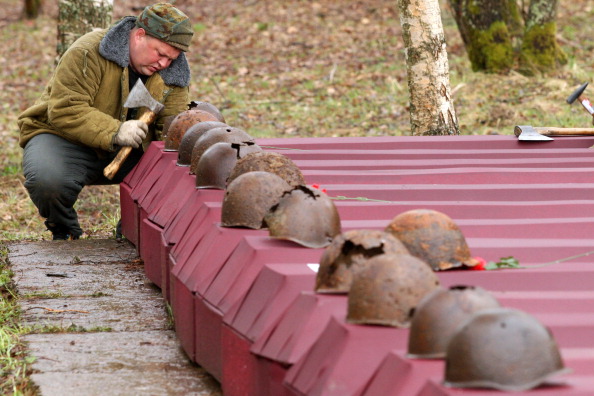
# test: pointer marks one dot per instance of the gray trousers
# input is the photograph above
(56, 171)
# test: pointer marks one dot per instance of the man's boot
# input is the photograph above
(59, 232)
(118, 232)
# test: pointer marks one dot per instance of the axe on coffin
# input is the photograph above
(542, 134)
(139, 96)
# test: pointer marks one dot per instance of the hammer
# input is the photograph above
(139, 97)
(530, 133)
(579, 94)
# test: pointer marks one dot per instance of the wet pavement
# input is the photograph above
(98, 325)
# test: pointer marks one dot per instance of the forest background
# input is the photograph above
(287, 69)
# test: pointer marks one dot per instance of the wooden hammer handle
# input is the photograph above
(115, 165)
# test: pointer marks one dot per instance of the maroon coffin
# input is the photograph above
(532, 201)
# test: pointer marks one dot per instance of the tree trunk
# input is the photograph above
(498, 39)
(32, 8)
(77, 17)
(488, 28)
(431, 106)
(540, 50)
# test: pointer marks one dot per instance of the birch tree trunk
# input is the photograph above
(431, 106)
(78, 17)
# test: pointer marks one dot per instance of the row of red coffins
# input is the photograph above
(244, 303)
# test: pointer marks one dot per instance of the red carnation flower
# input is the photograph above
(481, 265)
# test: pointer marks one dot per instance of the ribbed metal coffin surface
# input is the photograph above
(269, 333)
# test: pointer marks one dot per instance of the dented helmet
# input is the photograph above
(180, 125)
(305, 216)
(440, 314)
(504, 349)
(348, 253)
(218, 160)
(209, 108)
(249, 197)
(166, 123)
(184, 155)
(216, 135)
(433, 237)
(387, 291)
(267, 161)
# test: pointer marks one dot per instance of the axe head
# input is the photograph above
(528, 133)
(576, 94)
(140, 97)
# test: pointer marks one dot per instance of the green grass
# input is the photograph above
(43, 295)
(14, 362)
(72, 328)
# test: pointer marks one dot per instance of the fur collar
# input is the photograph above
(115, 47)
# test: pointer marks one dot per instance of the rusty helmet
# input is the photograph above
(348, 253)
(208, 107)
(433, 237)
(269, 162)
(167, 120)
(180, 125)
(217, 161)
(215, 135)
(305, 216)
(249, 197)
(388, 289)
(438, 316)
(504, 349)
(184, 155)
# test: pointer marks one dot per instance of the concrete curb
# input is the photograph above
(98, 325)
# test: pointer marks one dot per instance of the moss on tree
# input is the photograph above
(498, 37)
(491, 50)
(540, 51)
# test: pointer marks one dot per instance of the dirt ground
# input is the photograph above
(299, 68)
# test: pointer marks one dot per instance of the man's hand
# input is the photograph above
(131, 133)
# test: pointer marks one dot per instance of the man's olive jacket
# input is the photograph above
(83, 101)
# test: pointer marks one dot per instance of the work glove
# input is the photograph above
(131, 133)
